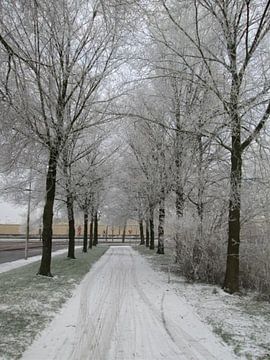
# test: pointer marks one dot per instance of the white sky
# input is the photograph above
(9, 213)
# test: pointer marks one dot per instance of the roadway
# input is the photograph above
(11, 250)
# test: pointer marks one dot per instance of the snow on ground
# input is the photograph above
(242, 321)
(124, 310)
(29, 302)
(22, 262)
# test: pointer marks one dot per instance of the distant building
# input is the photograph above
(61, 230)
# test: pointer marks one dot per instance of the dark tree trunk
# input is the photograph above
(141, 232)
(179, 201)
(85, 231)
(91, 233)
(179, 191)
(71, 227)
(45, 265)
(95, 229)
(152, 229)
(161, 221)
(197, 247)
(231, 283)
(124, 233)
(200, 205)
(147, 233)
(106, 234)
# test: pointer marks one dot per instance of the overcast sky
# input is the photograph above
(10, 213)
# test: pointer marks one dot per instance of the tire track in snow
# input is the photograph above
(187, 351)
(138, 335)
(100, 305)
(170, 336)
(127, 312)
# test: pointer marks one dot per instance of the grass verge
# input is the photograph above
(243, 322)
(28, 302)
(159, 262)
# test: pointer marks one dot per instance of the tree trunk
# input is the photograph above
(161, 220)
(152, 229)
(106, 234)
(198, 244)
(179, 201)
(179, 147)
(179, 191)
(147, 233)
(200, 186)
(95, 229)
(141, 232)
(85, 231)
(91, 233)
(231, 283)
(45, 265)
(124, 233)
(71, 227)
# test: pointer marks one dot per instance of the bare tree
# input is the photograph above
(231, 53)
(58, 63)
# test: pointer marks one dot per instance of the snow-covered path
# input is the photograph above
(123, 310)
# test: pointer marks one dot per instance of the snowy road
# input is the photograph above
(123, 310)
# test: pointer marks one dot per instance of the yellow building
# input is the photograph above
(61, 230)
(10, 229)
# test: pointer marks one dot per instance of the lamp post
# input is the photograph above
(28, 217)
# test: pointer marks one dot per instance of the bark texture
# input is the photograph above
(161, 221)
(45, 265)
(231, 282)
(147, 235)
(85, 231)
(124, 233)
(152, 229)
(71, 227)
(141, 232)
(91, 233)
(95, 229)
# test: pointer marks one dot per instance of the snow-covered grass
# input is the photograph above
(242, 321)
(28, 301)
(7, 266)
